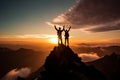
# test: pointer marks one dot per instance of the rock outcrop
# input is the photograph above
(63, 64)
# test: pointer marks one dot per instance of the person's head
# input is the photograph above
(66, 30)
(59, 28)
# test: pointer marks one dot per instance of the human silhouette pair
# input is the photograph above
(59, 33)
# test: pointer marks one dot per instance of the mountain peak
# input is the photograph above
(63, 64)
(24, 50)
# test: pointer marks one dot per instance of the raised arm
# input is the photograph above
(63, 28)
(55, 27)
(69, 28)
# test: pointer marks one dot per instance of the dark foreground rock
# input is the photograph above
(63, 64)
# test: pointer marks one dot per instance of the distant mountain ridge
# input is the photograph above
(101, 51)
(12, 59)
(8, 50)
(5, 50)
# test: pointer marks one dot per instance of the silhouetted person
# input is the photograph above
(59, 33)
(67, 36)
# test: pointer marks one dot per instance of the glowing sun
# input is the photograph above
(54, 40)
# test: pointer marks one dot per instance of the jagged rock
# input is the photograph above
(63, 64)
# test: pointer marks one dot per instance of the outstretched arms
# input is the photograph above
(62, 29)
(55, 27)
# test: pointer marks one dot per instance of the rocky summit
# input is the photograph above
(63, 64)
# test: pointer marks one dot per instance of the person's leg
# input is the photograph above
(58, 40)
(68, 41)
(65, 41)
(61, 40)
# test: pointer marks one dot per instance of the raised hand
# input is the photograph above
(64, 27)
(55, 27)
(69, 28)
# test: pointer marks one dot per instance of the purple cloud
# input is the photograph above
(92, 16)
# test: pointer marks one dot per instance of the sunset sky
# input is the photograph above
(91, 20)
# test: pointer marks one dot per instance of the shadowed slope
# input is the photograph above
(64, 64)
(109, 65)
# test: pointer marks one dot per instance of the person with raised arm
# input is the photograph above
(67, 36)
(59, 34)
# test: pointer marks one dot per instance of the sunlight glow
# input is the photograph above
(54, 40)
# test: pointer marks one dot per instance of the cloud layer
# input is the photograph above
(88, 57)
(13, 74)
(92, 16)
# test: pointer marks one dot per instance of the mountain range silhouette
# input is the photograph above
(61, 64)
(12, 59)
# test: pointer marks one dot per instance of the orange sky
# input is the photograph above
(34, 24)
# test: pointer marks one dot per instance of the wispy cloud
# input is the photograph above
(92, 16)
(28, 36)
